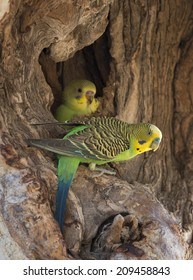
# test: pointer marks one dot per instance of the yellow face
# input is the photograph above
(79, 96)
(146, 138)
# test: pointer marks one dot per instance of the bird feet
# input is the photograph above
(92, 166)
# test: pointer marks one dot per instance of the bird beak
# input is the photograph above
(90, 96)
(155, 144)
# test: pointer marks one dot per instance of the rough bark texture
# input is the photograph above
(139, 54)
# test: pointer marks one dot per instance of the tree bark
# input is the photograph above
(139, 55)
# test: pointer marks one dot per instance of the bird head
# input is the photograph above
(148, 137)
(79, 94)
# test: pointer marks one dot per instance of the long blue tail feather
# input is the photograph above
(66, 171)
(61, 197)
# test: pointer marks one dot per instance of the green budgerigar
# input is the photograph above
(78, 98)
(96, 141)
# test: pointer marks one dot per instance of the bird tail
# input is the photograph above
(66, 170)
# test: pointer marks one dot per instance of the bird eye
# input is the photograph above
(79, 90)
(149, 133)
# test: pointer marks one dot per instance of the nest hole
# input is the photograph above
(91, 63)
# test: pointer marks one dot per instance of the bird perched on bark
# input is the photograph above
(78, 98)
(96, 141)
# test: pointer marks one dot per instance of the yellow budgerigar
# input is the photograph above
(78, 98)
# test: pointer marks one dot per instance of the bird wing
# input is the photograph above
(86, 142)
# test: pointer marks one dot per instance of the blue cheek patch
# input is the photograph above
(141, 142)
(157, 140)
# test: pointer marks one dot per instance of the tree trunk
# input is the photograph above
(139, 54)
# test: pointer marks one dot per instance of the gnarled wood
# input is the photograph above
(139, 55)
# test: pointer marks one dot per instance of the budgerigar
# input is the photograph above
(96, 141)
(78, 98)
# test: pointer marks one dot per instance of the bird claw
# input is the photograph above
(92, 166)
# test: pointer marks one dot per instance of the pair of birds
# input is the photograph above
(95, 141)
